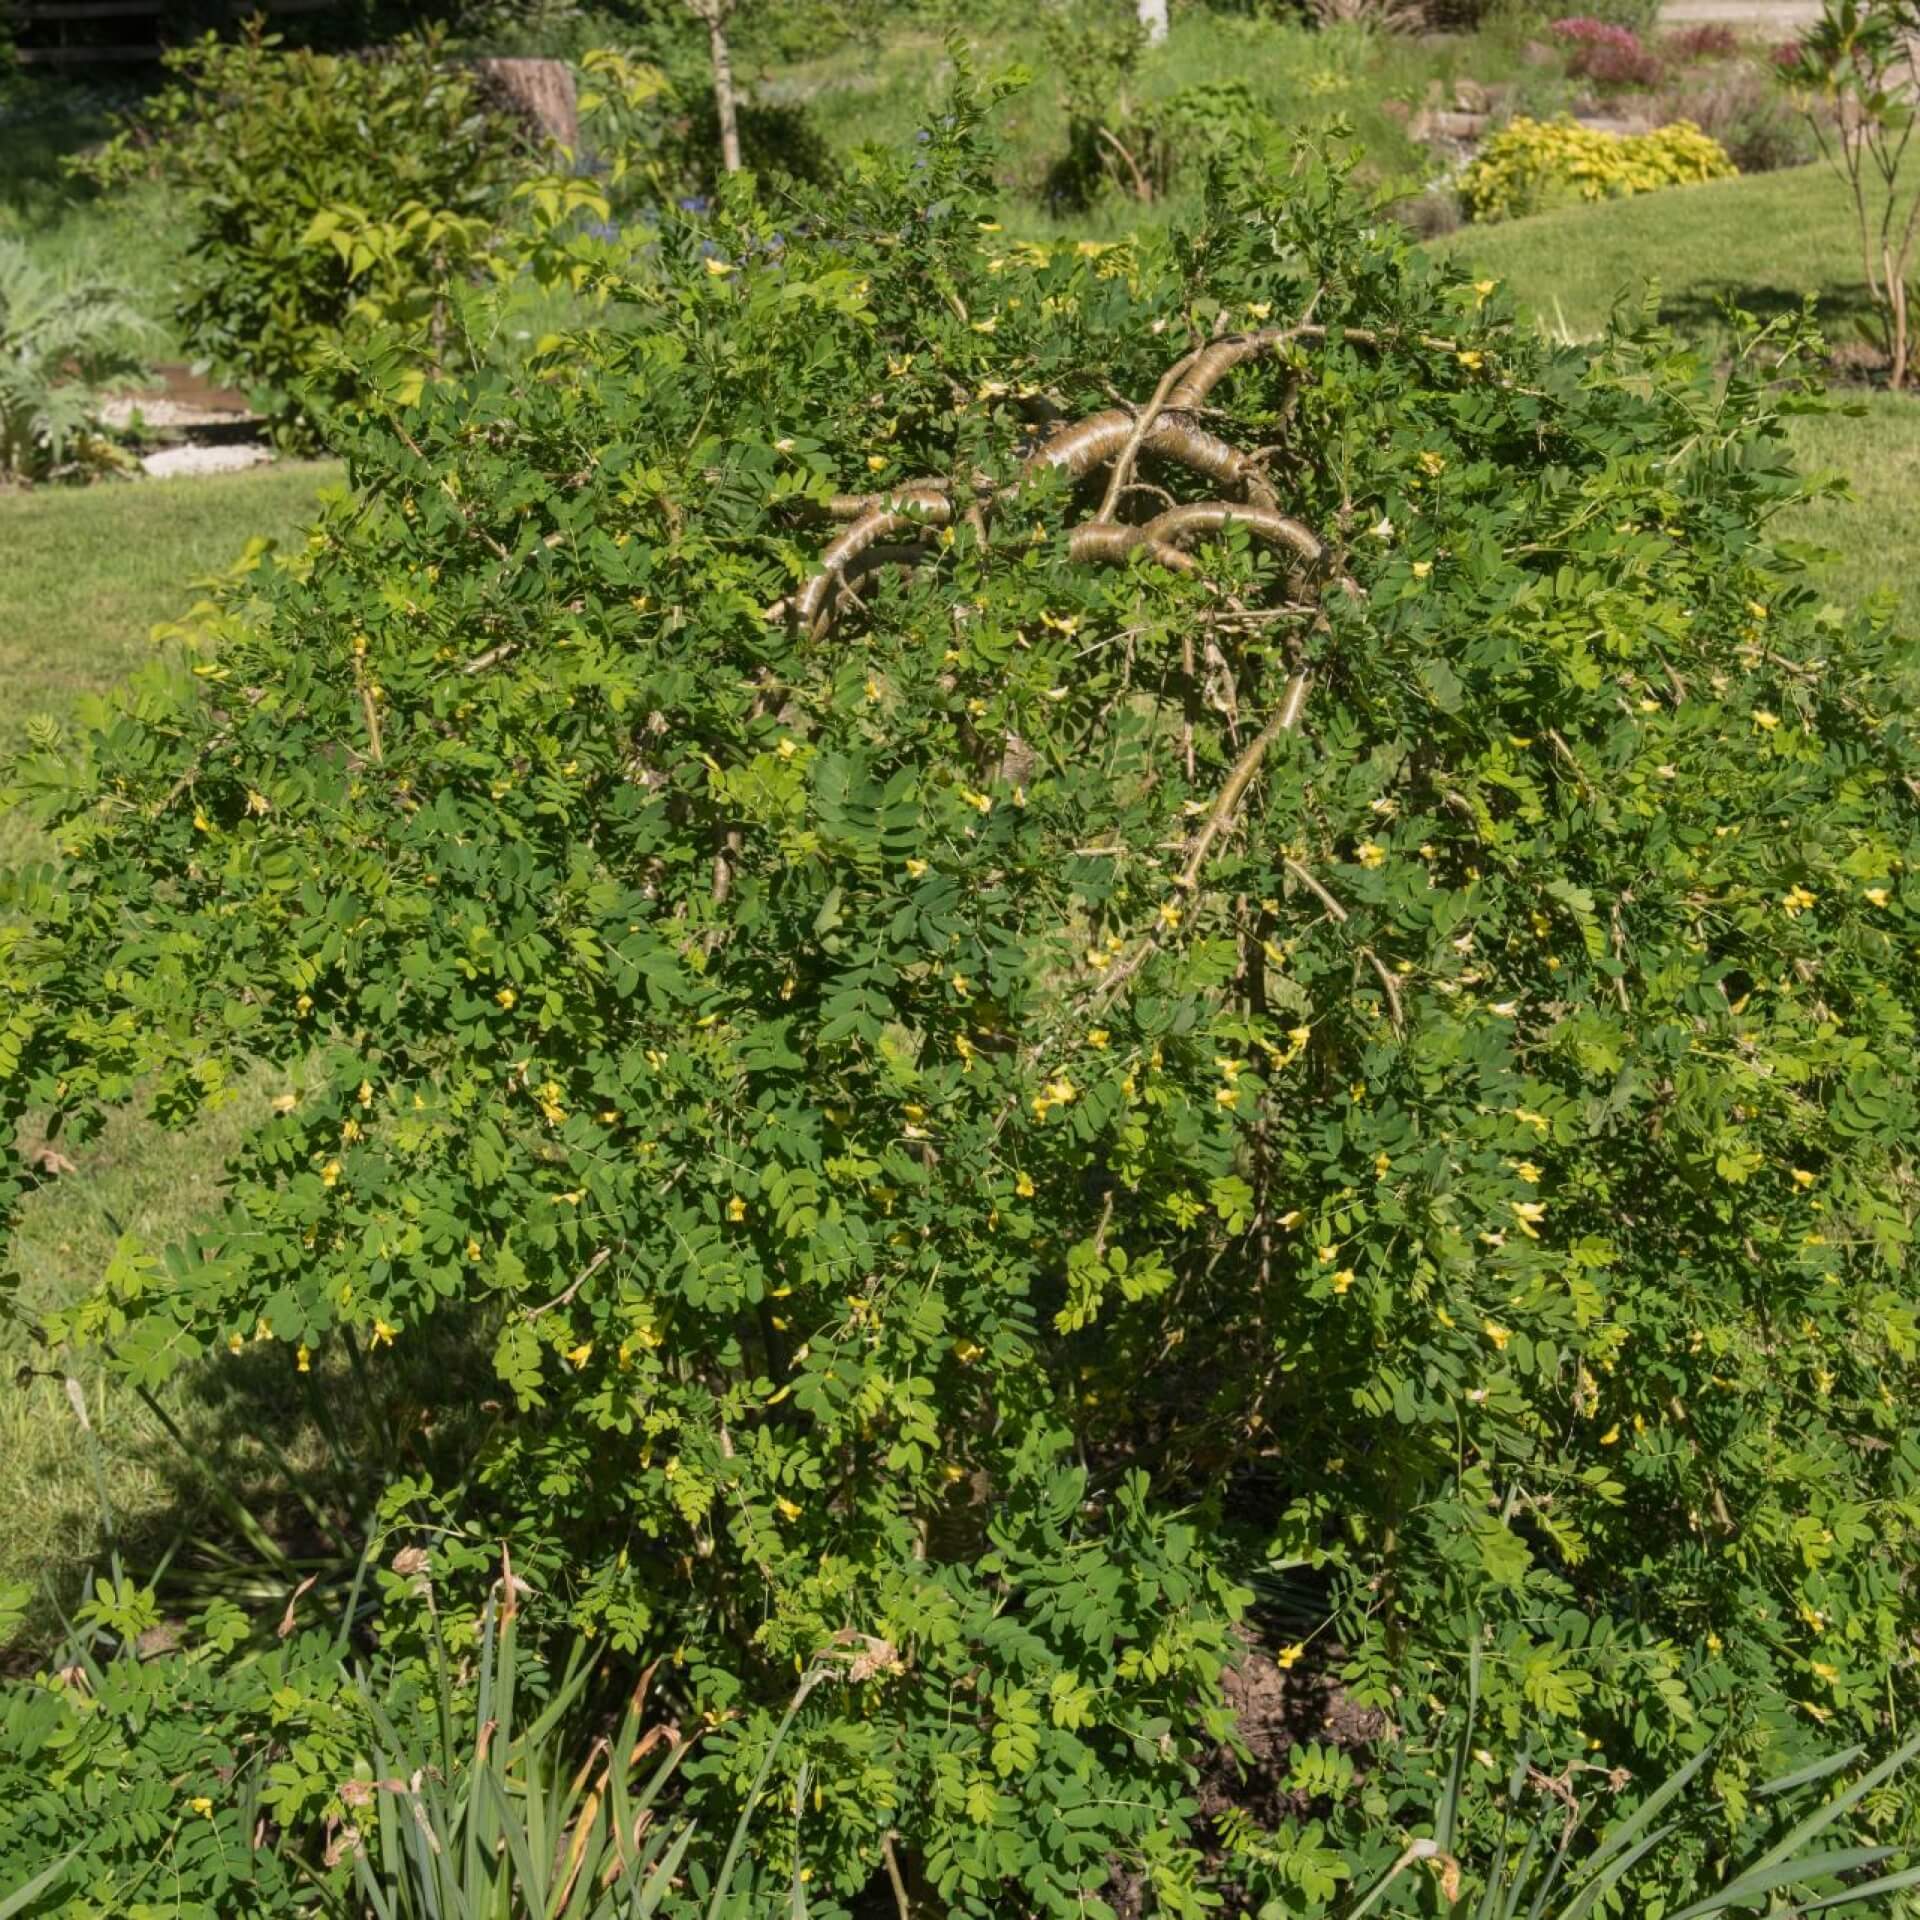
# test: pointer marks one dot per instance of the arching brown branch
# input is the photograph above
(1174, 436)
(1209, 365)
(1220, 815)
(877, 558)
(1112, 542)
(850, 506)
(1181, 524)
(1130, 448)
(909, 507)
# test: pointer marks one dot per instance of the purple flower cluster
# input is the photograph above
(1606, 53)
(1707, 41)
(1586, 31)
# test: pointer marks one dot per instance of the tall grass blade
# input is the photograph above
(1833, 1763)
(1648, 1810)
(1867, 1890)
(1822, 1817)
(1789, 1873)
(23, 1897)
(1446, 1820)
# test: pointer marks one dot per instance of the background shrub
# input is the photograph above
(61, 337)
(1707, 41)
(1606, 53)
(326, 200)
(1530, 165)
(1743, 109)
(994, 1111)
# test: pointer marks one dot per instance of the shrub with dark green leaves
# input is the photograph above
(325, 200)
(1009, 1012)
(141, 1775)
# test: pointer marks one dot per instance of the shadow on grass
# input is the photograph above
(1700, 310)
(268, 1477)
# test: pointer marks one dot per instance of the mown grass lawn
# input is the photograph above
(84, 577)
(1762, 243)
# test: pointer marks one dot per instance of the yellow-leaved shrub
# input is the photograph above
(1531, 165)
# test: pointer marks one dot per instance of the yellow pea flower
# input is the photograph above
(1499, 1335)
(736, 1208)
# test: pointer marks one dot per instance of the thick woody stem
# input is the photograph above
(1113, 541)
(1220, 816)
(850, 506)
(1174, 436)
(1180, 524)
(911, 507)
(1203, 370)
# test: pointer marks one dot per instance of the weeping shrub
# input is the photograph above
(1013, 1014)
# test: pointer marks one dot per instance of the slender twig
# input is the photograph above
(586, 1273)
(1220, 816)
(895, 1878)
(1314, 887)
(1123, 461)
(1388, 985)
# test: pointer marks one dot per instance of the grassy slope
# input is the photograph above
(1761, 242)
(89, 572)
(85, 576)
(880, 96)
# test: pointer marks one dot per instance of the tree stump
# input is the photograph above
(543, 91)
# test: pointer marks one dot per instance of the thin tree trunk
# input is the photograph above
(1153, 16)
(723, 88)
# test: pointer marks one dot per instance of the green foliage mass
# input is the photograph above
(974, 1125)
(60, 336)
(136, 1778)
(323, 198)
(1530, 166)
